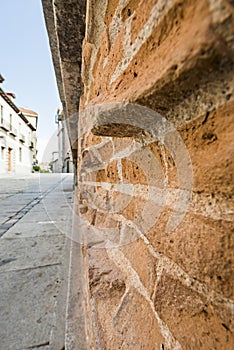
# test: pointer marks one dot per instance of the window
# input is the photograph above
(2, 152)
(10, 121)
(1, 113)
(20, 154)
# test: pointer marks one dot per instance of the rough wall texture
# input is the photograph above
(155, 166)
(157, 289)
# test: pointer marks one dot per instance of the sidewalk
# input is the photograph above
(34, 263)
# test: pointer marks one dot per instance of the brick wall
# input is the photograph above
(155, 165)
(151, 287)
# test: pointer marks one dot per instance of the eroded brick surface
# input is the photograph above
(168, 57)
(151, 285)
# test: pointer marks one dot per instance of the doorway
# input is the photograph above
(9, 168)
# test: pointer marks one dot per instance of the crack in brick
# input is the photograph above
(124, 264)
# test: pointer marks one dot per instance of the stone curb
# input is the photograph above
(75, 333)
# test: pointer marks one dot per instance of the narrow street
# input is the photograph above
(35, 215)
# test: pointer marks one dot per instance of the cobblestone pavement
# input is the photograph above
(35, 217)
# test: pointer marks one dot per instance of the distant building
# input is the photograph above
(62, 159)
(17, 136)
(33, 119)
(54, 164)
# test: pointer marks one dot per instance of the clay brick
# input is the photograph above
(92, 176)
(92, 140)
(102, 76)
(201, 246)
(90, 161)
(123, 331)
(133, 210)
(120, 144)
(110, 11)
(105, 280)
(132, 173)
(189, 316)
(107, 286)
(143, 263)
(181, 66)
(101, 220)
(105, 152)
(109, 174)
(212, 134)
(167, 163)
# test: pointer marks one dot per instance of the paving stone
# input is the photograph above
(31, 252)
(27, 305)
(34, 259)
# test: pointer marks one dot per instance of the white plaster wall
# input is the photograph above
(9, 141)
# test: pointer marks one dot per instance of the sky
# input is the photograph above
(26, 63)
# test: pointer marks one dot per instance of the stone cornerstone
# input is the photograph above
(147, 88)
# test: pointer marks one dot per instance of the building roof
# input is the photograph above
(10, 94)
(16, 109)
(28, 112)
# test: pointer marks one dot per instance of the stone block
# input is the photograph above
(121, 325)
(143, 262)
(176, 59)
(212, 134)
(109, 174)
(200, 246)
(189, 316)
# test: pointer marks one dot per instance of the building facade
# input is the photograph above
(64, 147)
(147, 87)
(17, 138)
(32, 117)
(62, 159)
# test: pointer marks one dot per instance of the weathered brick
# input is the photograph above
(189, 316)
(175, 58)
(124, 331)
(209, 140)
(109, 174)
(201, 246)
(133, 173)
(143, 262)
